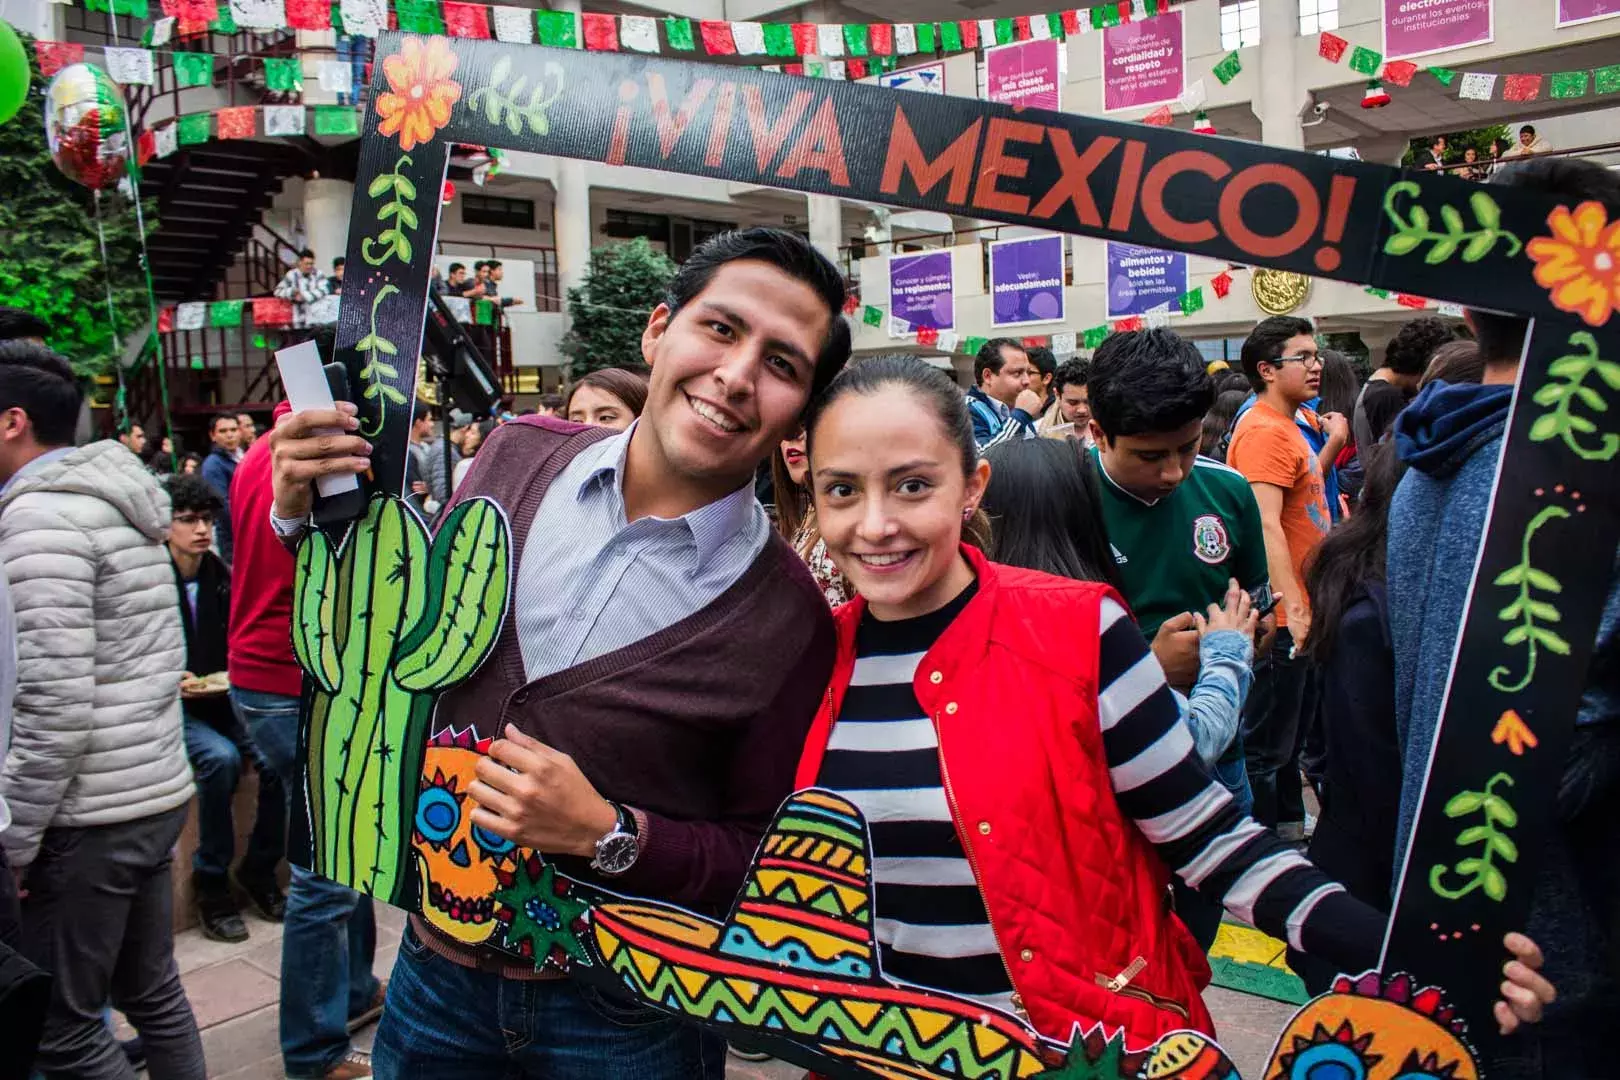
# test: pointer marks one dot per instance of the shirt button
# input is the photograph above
(984, 828)
(951, 708)
(936, 678)
(1027, 955)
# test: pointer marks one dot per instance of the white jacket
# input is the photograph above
(96, 728)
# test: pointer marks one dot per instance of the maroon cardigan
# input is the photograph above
(699, 726)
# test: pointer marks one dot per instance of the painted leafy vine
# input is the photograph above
(1480, 871)
(1566, 384)
(1413, 230)
(392, 243)
(375, 346)
(500, 104)
(1529, 615)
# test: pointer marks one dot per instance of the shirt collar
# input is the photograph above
(1001, 408)
(711, 526)
(1121, 488)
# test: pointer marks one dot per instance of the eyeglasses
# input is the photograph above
(194, 519)
(1309, 359)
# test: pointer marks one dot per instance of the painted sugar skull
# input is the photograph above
(456, 861)
(1373, 1029)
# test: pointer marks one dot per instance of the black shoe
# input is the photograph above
(262, 893)
(216, 910)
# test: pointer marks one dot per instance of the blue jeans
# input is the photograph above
(446, 1020)
(216, 762)
(329, 939)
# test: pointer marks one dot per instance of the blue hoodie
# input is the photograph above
(1451, 439)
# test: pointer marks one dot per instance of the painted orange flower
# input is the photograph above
(1579, 264)
(1512, 729)
(421, 91)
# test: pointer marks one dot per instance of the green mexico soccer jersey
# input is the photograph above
(1176, 554)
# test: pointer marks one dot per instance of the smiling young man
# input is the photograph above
(1284, 367)
(664, 655)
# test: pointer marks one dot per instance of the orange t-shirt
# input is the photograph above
(1268, 449)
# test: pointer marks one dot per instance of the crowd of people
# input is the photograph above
(1471, 164)
(1078, 642)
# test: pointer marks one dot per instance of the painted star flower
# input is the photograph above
(1579, 264)
(420, 93)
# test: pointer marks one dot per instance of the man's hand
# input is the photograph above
(1299, 626)
(1266, 634)
(1176, 647)
(537, 797)
(307, 445)
(1029, 401)
(1336, 427)
(1525, 991)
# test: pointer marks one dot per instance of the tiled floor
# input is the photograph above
(234, 989)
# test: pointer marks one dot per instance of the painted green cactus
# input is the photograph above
(382, 628)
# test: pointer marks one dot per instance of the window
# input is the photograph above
(1316, 16)
(496, 211)
(1240, 23)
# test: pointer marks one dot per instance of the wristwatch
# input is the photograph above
(618, 850)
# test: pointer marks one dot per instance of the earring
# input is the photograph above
(967, 515)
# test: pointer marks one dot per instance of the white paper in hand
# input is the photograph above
(304, 380)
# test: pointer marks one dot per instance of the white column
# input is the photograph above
(571, 213)
(827, 225)
(1279, 103)
(326, 219)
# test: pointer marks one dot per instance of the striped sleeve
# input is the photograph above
(1162, 784)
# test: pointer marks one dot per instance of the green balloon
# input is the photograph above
(14, 74)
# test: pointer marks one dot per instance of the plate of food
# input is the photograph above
(206, 685)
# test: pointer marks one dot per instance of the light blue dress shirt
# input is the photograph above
(589, 582)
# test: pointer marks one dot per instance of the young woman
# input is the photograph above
(607, 397)
(796, 518)
(1021, 763)
(1350, 645)
(1218, 423)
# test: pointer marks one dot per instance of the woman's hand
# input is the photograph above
(536, 797)
(1525, 992)
(1236, 614)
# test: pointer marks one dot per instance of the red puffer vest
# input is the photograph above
(1077, 896)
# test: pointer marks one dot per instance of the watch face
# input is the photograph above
(617, 853)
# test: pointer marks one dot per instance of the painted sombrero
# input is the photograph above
(797, 958)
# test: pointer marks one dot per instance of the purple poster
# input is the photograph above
(1024, 74)
(1143, 278)
(1418, 27)
(1143, 62)
(921, 290)
(1579, 11)
(1026, 281)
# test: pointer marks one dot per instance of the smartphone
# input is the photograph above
(349, 502)
(1263, 599)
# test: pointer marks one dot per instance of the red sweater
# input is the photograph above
(260, 657)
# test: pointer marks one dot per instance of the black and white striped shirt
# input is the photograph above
(883, 755)
(932, 925)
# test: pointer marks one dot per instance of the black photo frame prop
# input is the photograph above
(1534, 605)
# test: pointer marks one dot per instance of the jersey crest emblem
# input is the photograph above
(1210, 542)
